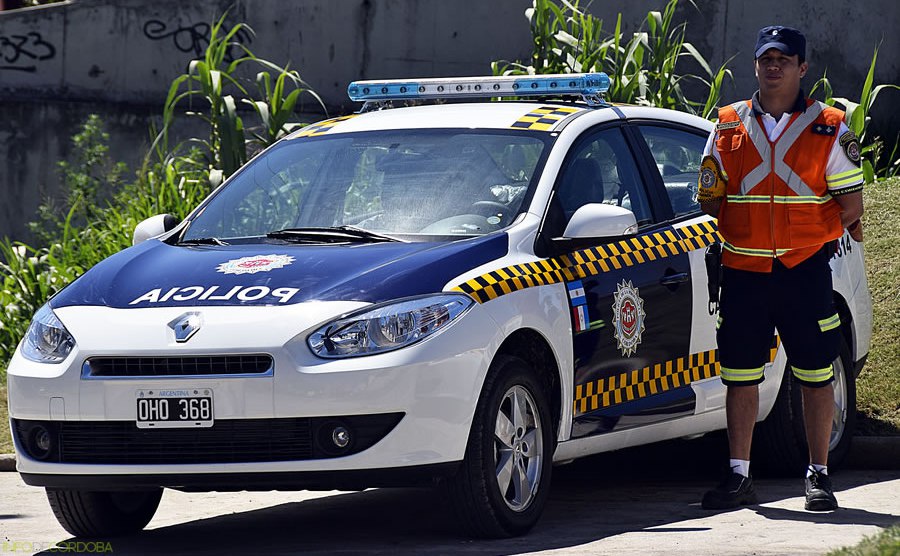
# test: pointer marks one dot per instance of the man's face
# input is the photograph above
(779, 73)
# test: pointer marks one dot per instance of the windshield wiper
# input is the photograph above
(336, 234)
(202, 241)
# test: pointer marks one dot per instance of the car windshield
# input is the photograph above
(411, 185)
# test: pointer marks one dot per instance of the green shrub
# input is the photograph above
(86, 180)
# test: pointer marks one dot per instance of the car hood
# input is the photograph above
(156, 274)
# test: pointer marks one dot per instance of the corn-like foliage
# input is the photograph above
(857, 118)
(215, 83)
(644, 68)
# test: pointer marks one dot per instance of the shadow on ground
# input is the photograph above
(650, 489)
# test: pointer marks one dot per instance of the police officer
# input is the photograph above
(781, 172)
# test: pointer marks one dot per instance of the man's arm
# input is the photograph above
(851, 212)
(711, 207)
(845, 180)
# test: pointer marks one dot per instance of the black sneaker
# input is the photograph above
(819, 495)
(736, 490)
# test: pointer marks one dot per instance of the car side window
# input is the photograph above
(677, 154)
(602, 170)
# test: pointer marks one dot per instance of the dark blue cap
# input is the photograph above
(786, 39)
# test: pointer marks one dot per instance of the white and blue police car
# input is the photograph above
(454, 293)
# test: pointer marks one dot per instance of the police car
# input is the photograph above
(460, 294)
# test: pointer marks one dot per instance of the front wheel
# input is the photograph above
(780, 446)
(93, 514)
(501, 487)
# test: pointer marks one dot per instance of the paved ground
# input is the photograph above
(606, 504)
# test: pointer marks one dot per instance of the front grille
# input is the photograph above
(178, 366)
(227, 441)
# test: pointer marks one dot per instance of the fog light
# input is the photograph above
(41, 442)
(341, 437)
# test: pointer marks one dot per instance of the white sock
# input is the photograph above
(815, 467)
(741, 466)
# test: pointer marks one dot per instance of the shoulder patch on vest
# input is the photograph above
(850, 145)
(824, 129)
(711, 183)
(728, 125)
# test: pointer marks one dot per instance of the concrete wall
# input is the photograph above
(117, 57)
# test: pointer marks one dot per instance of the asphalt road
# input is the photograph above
(624, 503)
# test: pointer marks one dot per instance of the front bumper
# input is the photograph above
(432, 386)
(357, 479)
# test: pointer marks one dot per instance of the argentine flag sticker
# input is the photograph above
(576, 293)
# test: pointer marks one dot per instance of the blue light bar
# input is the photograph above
(589, 85)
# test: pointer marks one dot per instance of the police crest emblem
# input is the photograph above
(850, 144)
(628, 317)
(252, 265)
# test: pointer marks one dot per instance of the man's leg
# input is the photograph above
(810, 329)
(741, 408)
(818, 414)
(744, 335)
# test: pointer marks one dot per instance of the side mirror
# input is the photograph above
(152, 227)
(596, 220)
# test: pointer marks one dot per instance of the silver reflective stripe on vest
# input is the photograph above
(787, 139)
(757, 135)
(789, 136)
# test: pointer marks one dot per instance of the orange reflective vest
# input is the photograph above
(776, 199)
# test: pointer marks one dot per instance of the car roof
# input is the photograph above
(536, 116)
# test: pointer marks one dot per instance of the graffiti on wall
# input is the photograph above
(190, 38)
(22, 52)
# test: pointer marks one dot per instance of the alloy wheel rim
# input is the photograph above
(518, 448)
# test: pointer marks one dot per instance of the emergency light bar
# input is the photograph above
(588, 85)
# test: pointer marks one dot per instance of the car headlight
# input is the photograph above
(47, 340)
(387, 327)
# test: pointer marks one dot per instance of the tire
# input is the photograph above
(501, 487)
(91, 514)
(780, 447)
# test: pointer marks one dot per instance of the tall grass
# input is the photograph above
(878, 386)
(644, 67)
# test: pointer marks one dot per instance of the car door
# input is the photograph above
(630, 297)
(674, 152)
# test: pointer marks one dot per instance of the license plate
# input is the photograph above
(176, 407)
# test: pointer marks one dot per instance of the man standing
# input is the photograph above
(781, 173)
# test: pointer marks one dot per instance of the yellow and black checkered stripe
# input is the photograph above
(322, 127)
(655, 379)
(590, 262)
(544, 118)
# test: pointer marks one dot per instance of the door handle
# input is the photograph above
(674, 279)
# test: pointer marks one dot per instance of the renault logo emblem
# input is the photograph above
(186, 326)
